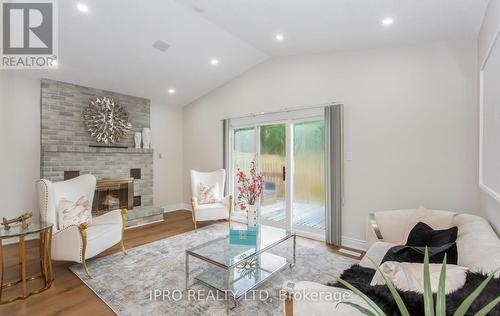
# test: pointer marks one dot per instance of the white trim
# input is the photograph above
(354, 243)
(176, 207)
(276, 117)
(287, 109)
(482, 185)
(350, 252)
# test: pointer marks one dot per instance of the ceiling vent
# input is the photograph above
(161, 45)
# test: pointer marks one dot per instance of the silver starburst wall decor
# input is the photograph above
(106, 120)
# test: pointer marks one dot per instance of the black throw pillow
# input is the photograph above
(416, 254)
(423, 235)
(438, 242)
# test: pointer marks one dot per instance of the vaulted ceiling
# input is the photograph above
(110, 46)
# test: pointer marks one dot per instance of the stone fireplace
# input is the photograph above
(68, 150)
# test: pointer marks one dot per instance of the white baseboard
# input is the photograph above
(176, 207)
(354, 243)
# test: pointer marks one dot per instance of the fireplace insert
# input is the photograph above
(111, 194)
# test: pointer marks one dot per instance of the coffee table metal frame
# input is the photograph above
(228, 268)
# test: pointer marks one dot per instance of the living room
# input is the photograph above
(221, 157)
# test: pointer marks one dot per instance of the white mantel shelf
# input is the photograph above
(87, 149)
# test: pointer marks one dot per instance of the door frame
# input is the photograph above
(289, 163)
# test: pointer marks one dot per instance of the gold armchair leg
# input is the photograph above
(124, 222)
(83, 233)
(193, 212)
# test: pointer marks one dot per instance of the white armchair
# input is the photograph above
(79, 242)
(212, 211)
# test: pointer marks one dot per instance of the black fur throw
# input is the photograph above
(361, 278)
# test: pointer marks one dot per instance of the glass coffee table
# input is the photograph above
(236, 268)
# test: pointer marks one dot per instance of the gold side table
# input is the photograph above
(46, 273)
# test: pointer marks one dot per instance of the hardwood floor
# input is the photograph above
(68, 294)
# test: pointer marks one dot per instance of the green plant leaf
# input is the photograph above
(462, 309)
(441, 295)
(399, 301)
(485, 310)
(360, 308)
(365, 298)
(428, 302)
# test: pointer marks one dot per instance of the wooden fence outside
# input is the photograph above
(308, 175)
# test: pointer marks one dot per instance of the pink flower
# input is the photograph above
(250, 187)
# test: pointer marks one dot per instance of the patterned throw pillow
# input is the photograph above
(74, 213)
(208, 194)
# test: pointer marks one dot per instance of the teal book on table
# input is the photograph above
(243, 236)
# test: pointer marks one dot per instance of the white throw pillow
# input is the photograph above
(208, 194)
(436, 222)
(74, 212)
(408, 276)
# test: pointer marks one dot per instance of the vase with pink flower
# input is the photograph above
(249, 193)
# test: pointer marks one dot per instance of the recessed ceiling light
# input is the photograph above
(214, 62)
(279, 37)
(199, 10)
(171, 91)
(161, 45)
(82, 7)
(388, 21)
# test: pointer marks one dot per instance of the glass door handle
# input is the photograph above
(284, 174)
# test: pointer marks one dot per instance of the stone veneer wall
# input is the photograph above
(65, 142)
(62, 106)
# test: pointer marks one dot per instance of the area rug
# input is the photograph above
(128, 283)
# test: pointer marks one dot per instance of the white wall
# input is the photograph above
(20, 147)
(166, 126)
(490, 208)
(411, 121)
(19, 144)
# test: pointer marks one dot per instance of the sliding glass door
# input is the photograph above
(243, 153)
(272, 166)
(290, 156)
(308, 206)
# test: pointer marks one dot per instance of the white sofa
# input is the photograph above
(476, 243)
